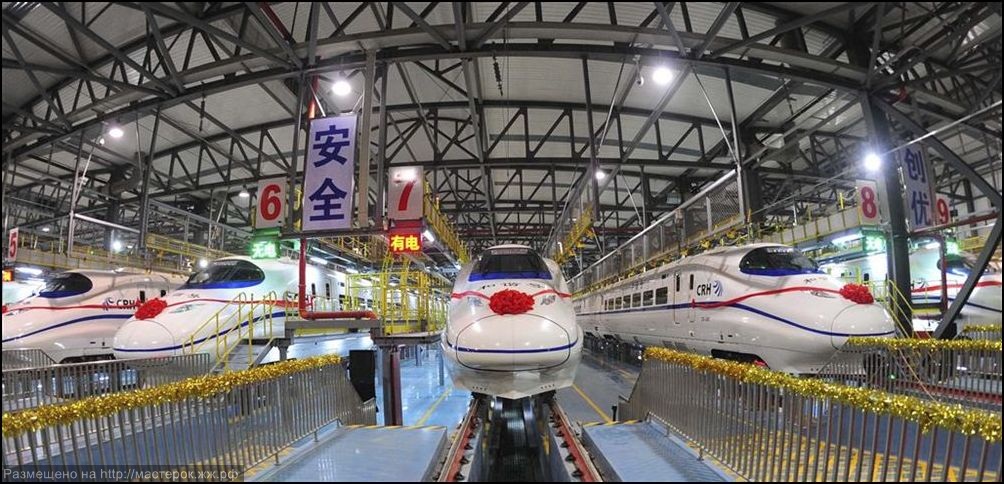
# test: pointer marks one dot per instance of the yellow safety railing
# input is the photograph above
(403, 297)
(51, 253)
(237, 322)
(368, 248)
(583, 227)
(442, 227)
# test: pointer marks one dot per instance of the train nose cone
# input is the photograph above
(144, 339)
(522, 342)
(861, 320)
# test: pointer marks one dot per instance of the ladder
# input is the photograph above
(239, 334)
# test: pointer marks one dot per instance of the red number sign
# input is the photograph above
(405, 192)
(12, 245)
(942, 212)
(867, 200)
(271, 203)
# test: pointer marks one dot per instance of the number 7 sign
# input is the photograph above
(271, 203)
(404, 193)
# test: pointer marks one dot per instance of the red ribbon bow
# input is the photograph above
(858, 293)
(508, 301)
(151, 308)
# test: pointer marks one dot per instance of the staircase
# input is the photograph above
(244, 332)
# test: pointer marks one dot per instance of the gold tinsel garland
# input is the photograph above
(982, 328)
(925, 344)
(925, 414)
(15, 424)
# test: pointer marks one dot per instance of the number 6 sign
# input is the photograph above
(271, 203)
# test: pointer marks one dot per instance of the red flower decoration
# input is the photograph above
(151, 308)
(858, 293)
(508, 301)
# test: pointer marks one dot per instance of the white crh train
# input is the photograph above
(75, 315)
(764, 303)
(511, 328)
(183, 326)
(15, 291)
(983, 306)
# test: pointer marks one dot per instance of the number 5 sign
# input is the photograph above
(271, 203)
(12, 243)
(404, 193)
(867, 200)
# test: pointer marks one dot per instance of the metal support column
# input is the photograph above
(593, 165)
(390, 375)
(381, 176)
(891, 191)
(291, 174)
(365, 128)
(144, 203)
(442, 364)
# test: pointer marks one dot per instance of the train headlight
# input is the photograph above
(475, 302)
(822, 294)
(549, 299)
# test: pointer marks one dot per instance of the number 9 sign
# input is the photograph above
(942, 212)
(271, 203)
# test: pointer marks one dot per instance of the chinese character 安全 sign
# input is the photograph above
(918, 199)
(407, 241)
(328, 184)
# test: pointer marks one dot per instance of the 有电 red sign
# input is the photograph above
(408, 241)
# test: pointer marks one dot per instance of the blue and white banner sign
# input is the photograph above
(329, 183)
(918, 197)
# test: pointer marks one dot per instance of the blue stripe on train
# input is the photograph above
(749, 309)
(510, 352)
(67, 323)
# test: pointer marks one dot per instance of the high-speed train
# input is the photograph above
(762, 303)
(75, 315)
(183, 326)
(983, 306)
(15, 291)
(511, 330)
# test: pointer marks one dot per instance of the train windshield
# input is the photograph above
(226, 274)
(510, 263)
(777, 261)
(66, 285)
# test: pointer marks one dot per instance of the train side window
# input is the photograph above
(677, 282)
(636, 300)
(661, 295)
(142, 296)
(866, 277)
(691, 282)
(647, 298)
(620, 302)
(313, 289)
(327, 290)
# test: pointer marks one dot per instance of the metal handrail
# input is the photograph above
(235, 318)
(31, 387)
(769, 426)
(215, 426)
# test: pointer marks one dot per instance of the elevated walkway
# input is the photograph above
(637, 451)
(365, 453)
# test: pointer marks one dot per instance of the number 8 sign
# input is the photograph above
(271, 203)
(867, 200)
